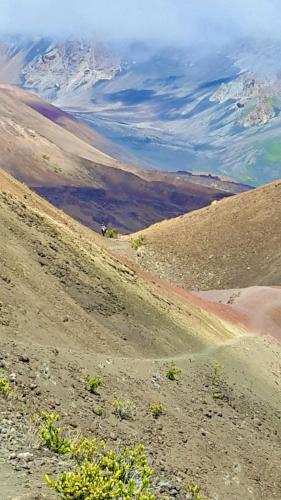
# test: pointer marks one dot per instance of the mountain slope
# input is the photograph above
(50, 152)
(204, 110)
(75, 263)
(69, 309)
(234, 243)
(54, 69)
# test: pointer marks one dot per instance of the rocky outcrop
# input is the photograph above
(55, 70)
(254, 98)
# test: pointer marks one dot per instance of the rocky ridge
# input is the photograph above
(255, 98)
(54, 69)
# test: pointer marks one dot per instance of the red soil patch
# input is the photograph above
(261, 306)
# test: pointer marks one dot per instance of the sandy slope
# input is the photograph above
(233, 243)
(108, 283)
(73, 308)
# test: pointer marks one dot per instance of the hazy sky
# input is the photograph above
(165, 21)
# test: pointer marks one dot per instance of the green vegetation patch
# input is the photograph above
(138, 242)
(123, 409)
(100, 474)
(111, 232)
(96, 472)
(194, 492)
(273, 151)
(173, 372)
(52, 435)
(156, 410)
(5, 388)
(92, 384)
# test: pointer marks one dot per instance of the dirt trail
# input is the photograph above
(108, 288)
(255, 309)
(70, 308)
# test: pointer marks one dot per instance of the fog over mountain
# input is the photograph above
(179, 85)
(162, 21)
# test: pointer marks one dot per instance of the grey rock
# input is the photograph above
(39, 462)
(26, 455)
(24, 359)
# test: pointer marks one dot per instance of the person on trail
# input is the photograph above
(103, 229)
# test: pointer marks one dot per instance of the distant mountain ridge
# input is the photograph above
(66, 162)
(171, 109)
(55, 69)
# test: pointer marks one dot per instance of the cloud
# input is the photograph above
(161, 21)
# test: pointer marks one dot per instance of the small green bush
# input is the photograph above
(217, 395)
(217, 372)
(100, 475)
(98, 411)
(86, 449)
(173, 372)
(111, 232)
(138, 242)
(52, 435)
(219, 390)
(45, 157)
(194, 492)
(123, 409)
(156, 409)
(92, 384)
(5, 388)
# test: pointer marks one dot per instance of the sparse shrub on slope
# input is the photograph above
(98, 411)
(111, 232)
(172, 372)
(138, 242)
(194, 492)
(156, 409)
(123, 409)
(217, 372)
(92, 384)
(217, 395)
(5, 388)
(86, 449)
(52, 435)
(99, 474)
(219, 389)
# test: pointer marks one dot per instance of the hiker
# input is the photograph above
(103, 229)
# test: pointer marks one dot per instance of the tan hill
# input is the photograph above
(70, 309)
(59, 249)
(71, 124)
(63, 161)
(234, 243)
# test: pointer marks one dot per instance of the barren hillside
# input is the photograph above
(70, 309)
(233, 243)
(63, 161)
